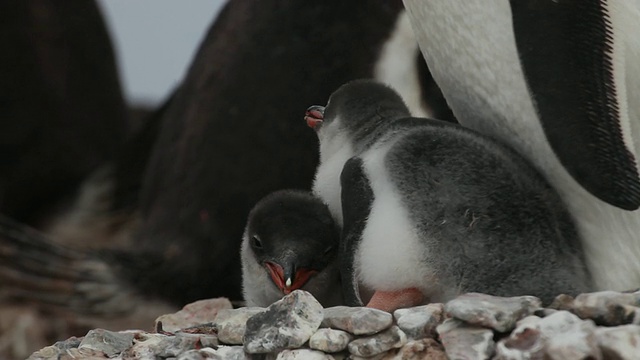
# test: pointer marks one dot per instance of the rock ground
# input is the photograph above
(601, 325)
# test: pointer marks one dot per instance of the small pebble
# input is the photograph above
(499, 313)
(330, 340)
(357, 320)
(286, 324)
(421, 321)
(391, 338)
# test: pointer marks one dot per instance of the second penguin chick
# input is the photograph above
(431, 210)
(290, 242)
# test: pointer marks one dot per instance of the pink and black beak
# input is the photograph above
(314, 116)
(288, 278)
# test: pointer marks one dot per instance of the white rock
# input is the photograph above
(421, 321)
(357, 320)
(499, 313)
(463, 341)
(303, 354)
(232, 323)
(561, 335)
(330, 340)
(391, 338)
(622, 342)
(286, 324)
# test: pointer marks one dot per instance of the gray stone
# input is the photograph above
(203, 340)
(303, 354)
(143, 346)
(202, 354)
(562, 302)
(46, 353)
(232, 353)
(109, 342)
(330, 340)
(383, 356)
(609, 308)
(199, 312)
(232, 323)
(464, 341)
(85, 354)
(57, 349)
(419, 350)
(421, 321)
(357, 320)
(391, 338)
(622, 342)
(568, 337)
(499, 313)
(286, 324)
(173, 346)
(70, 343)
(561, 335)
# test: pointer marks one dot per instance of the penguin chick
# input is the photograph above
(290, 242)
(431, 210)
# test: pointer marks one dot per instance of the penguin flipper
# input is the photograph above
(35, 269)
(357, 198)
(580, 70)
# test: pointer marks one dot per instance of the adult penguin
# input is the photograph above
(229, 136)
(560, 82)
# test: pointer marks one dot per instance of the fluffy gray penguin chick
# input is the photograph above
(290, 242)
(430, 210)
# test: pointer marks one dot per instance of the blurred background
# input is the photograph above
(154, 42)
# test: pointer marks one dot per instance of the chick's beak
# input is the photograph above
(288, 278)
(314, 116)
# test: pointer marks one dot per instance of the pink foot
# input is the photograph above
(390, 301)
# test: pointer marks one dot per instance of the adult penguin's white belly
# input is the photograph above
(560, 82)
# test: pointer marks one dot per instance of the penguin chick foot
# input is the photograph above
(390, 301)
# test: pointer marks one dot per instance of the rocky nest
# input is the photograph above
(602, 325)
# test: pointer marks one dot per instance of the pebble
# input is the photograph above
(330, 340)
(622, 342)
(201, 354)
(196, 313)
(420, 350)
(286, 324)
(499, 313)
(561, 335)
(232, 323)
(357, 320)
(464, 341)
(391, 338)
(421, 321)
(303, 354)
(172, 346)
(290, 329)
(609, 308)
(144, 346)
(109, 342)
(86, 353)
(232, 353)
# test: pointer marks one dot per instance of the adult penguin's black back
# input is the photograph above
(559, 81)
(231, 135)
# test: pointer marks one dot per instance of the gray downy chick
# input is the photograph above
(430, 210)
(290, 242)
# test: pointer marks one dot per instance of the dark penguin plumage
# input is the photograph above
(62, 114)
(559, 81)
(290, 242)
(434, 207)
(229, 136)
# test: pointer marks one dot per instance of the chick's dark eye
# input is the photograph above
(255, 241)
